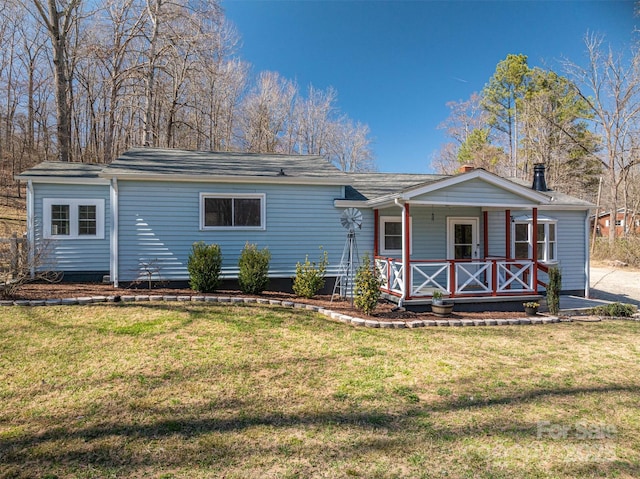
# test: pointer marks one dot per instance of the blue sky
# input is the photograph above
(396, 64)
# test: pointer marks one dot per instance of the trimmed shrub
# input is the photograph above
(617, 310)
(253, 264)
(309, 277)
(367, 286)
(204, 265)
(553, 290)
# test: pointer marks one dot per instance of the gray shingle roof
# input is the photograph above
(366, 186)
(557, 197)
(156, 161)
(61, 169)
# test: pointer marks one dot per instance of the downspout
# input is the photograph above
(376, 233)
(114, 232)
(587, 259)
(405, 252)
(31, 234)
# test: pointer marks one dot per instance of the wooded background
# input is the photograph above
(85, 80)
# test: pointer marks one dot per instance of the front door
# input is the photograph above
(463, 244)
(462, 238)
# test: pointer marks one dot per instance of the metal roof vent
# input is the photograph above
(539, 183)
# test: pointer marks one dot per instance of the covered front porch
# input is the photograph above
(481, 240)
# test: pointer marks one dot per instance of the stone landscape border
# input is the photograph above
(334, 315)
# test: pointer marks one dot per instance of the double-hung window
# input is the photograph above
(391, 235)
(73, 218)
(543, 241)
(241, 211)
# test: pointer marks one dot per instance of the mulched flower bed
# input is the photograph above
(384, 312)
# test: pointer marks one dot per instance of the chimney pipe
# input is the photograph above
(539, 183)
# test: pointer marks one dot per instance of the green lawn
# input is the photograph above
(237, 391)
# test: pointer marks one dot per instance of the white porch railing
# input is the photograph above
(390, 272)
(489, 277)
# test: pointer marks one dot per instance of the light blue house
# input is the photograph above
(474, 235)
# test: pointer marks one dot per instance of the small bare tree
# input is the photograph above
(21, 263)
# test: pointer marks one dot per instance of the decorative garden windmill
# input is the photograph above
(351, 219)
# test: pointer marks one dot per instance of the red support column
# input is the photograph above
(535, 249)
(376, 232)
(452, 278)
(507, 233)
(406, 254)
(494, 278)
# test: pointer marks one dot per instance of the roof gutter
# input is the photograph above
(62, 180)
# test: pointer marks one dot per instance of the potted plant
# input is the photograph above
(438, 306)
(436, 297)
(531, 308)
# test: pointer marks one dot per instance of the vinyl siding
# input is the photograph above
(73, 255)
(159, 222)
(474, 191)
(570, 238)
(571, 249)
(429, 238)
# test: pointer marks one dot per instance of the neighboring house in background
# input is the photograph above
(475, 236)
(627, 223)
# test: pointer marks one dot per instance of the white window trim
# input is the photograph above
(532, 237)
(263, 211)
(393, 219)
(74, 204)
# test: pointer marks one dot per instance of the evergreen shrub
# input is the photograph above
(367, 286)
(253, 265)
(553, 290)
(309, 277)
(204, 266)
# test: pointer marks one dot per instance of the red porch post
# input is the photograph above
(535, 249)
(376, 232)
(406, 250)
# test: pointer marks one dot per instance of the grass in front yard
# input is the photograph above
(236, 391)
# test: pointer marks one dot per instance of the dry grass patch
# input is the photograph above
(196, 390)
(13, 216)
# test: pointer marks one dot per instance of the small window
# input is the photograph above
(521, 240)
(73, 218)
(232, 211)
(87, 220)
(60, 220)
(545, 239)
(391, 235)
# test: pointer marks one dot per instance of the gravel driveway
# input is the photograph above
(615, 284)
